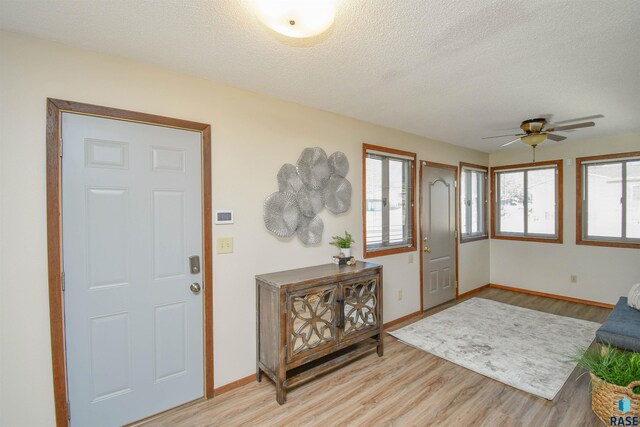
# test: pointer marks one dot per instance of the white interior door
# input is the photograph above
(131, 197)
(438, 219)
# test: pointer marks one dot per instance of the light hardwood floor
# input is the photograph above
(406, 387)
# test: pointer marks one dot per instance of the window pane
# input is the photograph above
(541, 201)
(398, 200)
(511, 202)
(604, 191)
(474, 202)
(388, 202)
(374, 200)
(482, 179)
(482, 182)
(633, 200)
(464, 202)
(472, 189)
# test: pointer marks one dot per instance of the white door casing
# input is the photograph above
(131, 199)
(438, 239)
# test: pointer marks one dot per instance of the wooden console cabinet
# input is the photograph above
(310, 320)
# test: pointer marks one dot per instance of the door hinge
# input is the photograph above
(62, 279)
(60, 147)
(68, 411)
(455, 183)
(456, 284)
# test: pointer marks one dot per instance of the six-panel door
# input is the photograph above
(131, 218)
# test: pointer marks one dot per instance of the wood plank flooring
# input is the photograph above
(406, 387)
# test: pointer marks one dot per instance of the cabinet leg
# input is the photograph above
(281, 394)
(380, 347)
(258, 374)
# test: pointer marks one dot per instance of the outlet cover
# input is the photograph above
(400, 295)
(574, 278)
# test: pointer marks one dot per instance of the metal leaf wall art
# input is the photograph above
(316, 182)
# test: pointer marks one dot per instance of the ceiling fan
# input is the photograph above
(537, 130)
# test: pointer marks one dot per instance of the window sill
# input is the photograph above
(473, 239)
(529, 239)
(610, 244)
(384, 252)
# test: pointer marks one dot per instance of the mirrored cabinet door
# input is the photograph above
(311, 324)
(361, 311)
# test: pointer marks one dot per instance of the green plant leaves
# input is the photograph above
(343, 242)
(611, 365)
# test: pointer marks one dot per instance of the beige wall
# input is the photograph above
(253, 135)
(604, 274)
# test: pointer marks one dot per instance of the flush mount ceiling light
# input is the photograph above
(296, 18)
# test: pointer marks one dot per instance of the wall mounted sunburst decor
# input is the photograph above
(316, 182)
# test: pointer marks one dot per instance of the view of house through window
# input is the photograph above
(527, 201)
(472, 203)
(611, 200)
(389, 200)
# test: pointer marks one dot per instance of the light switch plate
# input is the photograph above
(224, 245)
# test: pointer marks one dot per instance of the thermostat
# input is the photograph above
(224, 217)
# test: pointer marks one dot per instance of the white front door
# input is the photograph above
(438, 219)
(131, 217)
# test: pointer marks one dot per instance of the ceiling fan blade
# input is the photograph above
(575, 126)
(510, 142)
(595, 116)
(555, 137)
(502, 136)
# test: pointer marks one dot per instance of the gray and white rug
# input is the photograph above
(526, 349)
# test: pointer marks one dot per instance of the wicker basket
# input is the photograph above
(605, 397)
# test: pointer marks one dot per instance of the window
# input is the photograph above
(473, 202)
(527, 201)
(389, 177)
(608, 200)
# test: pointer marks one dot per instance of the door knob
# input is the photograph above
(428, 250)
(195, 288)
(426, 239)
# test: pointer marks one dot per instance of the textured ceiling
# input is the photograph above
(453, 70)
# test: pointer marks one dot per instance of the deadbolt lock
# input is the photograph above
(194, 264)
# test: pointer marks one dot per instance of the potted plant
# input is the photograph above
(343, 243)
(615, 381)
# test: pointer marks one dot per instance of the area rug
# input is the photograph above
(526, 349)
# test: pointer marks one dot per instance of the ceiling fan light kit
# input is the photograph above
(534, 139)
(536, 131)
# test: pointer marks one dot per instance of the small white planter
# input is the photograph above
(346, 252)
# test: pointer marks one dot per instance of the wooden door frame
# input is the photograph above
(55, 108)
(454, 168)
